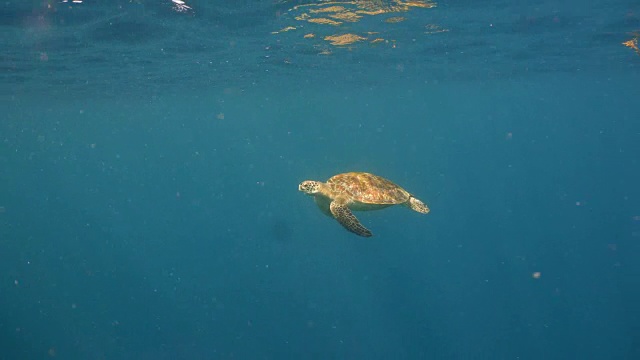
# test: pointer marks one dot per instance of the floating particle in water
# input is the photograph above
(536, 275)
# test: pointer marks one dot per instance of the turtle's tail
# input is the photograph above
(418, 205)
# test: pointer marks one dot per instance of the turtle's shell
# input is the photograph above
(368, 188)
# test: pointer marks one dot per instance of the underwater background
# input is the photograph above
(150, 153)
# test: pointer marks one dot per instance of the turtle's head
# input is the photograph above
(309, 187)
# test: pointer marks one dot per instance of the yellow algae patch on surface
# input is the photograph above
(344, 39)
(372, 13)
(420, 4)
(324, 21)
(434, 29)
(328, 9)
(337, 12)
(347, 13)
(302, 17)
(396, 19)
(346, 16)
(288, 28)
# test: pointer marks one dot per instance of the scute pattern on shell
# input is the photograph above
(368, 188)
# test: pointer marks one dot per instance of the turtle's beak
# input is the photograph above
(304, 187)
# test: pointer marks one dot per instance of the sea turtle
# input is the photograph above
(359, 191)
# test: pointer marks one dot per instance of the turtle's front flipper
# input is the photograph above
(346, 218)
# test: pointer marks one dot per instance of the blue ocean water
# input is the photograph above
(150, 153)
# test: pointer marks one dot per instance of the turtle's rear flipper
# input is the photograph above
(418, 205)
(346, 218)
